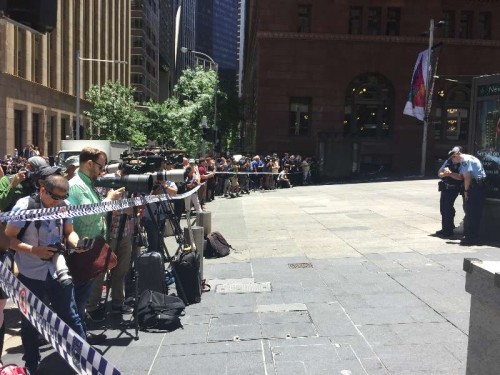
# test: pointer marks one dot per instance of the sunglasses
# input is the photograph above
(101, 167)
(57, 197)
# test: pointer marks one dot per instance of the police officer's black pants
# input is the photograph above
(473, 211)
(448, 197)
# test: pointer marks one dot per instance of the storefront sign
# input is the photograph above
(490, 159)
(488, 90)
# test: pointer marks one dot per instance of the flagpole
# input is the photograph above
(427, 93)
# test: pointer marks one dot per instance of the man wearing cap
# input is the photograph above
(450, 186)
(70, 166)
(20, 185)
(474, 193)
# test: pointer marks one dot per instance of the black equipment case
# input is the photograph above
(150, 271)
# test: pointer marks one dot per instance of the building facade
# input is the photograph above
(217, 36)
(38, 72)
(331, 79)
(145, 57)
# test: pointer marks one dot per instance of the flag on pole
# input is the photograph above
(415, 106)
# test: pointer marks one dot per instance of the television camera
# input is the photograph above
(143, 169)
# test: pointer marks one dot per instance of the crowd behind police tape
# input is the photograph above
(25, 180)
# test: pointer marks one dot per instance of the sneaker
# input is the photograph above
(97, 315)
(121, 309)
(96, 339)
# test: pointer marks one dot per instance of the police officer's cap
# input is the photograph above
(454, 151)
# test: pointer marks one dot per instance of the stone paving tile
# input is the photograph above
(412, 333)
(425, 358)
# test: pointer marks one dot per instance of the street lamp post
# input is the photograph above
(186, 50)
(427, 108)
(78, 59)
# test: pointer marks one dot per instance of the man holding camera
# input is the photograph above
(34, 245)
(82, 191)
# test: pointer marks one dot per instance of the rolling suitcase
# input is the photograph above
(150, 271)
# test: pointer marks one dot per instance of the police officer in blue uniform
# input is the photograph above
(474, 194)
(450, 186)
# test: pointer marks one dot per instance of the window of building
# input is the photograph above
(465, 27)
(369, 106)
(137, 78)
(355, 20)
(374, 21)
(18, 129)
(393, 21)
(36, 74)
(300, 116)
(136, 4)
(19, 52)
(304, 19)
(63, 128)
(137, 60)
(35, 128)
(137, 23)
(137, 41)
(451, 116)
(449, 25)
(484, 25)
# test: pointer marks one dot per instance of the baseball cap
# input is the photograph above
(43, 172)
(191, 160)
(37, 162)
(72, 161)
(454, 150)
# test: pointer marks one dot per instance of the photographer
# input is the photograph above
(82, 191)
(34, 250)
(148, 223)
(191, 180)
(24, 182)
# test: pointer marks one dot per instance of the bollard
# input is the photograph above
(169, 229)
(483, 283)
(199, 242)
(204, 219)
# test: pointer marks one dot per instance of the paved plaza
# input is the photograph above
(332, 279)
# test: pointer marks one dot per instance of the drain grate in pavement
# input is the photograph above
(300, 265)
(243, 288)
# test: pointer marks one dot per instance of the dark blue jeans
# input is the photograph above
(62, 300)
(473, 212)
(448, 197)
(82, 295)
(155, 234)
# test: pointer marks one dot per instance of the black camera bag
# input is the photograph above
(217, 246)
(159, 311)
(187, 274)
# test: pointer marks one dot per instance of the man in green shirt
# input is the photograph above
(82, 191)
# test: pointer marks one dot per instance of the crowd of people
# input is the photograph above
(233, 176)
(29, 181)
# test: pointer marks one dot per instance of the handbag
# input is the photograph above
(87, 265)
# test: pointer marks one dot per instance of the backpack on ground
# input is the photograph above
(159, 311)
(217, 246)
(186, 267)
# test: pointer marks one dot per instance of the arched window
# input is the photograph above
(451, 120)
(369, 106)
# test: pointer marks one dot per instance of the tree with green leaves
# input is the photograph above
(114, 114)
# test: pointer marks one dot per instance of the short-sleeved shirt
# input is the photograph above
(49, 232)
(81, 191)
(455, 168)
(471, 164)
(155, 206)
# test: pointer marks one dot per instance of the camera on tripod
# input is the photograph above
(143, 169)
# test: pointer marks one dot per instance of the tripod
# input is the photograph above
(163, 207)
